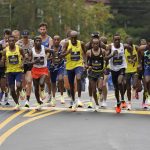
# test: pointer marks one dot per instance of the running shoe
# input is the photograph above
(104, 104)
(144, 106)
(148, 100)
(71, 103)
(53, 102)
(17, 107)
(74, 107)
(129, 106)
(79, 104)
(123, 104)
(90, 105)
(42, 95)
(22, 94)
(118, 109)
(62, 100)
(26, 104)
(97, 108)
(7, 104)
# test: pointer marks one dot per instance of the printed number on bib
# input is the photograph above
(75, 56)
(117, 60)
(13, 59)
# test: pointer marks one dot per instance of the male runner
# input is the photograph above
(117, 65)
(131, 54)
(13, 59)
(57, 69)
(39, 70)
(96, 67)
(46, 42)
(74, 50)
(26, 45)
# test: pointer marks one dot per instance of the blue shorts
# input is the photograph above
(56, 73)
(73, 73)
(14, 76)
(147, 72)
(48, 64)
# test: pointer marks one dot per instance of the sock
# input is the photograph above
(90, 98)
(28, 98)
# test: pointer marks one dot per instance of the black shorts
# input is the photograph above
(2, 73)
(115, 75)
(95, 75)
(27, 67)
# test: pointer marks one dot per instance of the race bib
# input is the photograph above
(39, 60)
(13, 59)
(117, 60)
(75, 56)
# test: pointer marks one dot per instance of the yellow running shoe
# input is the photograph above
(42, 95)
(90, 105)
(79, 104)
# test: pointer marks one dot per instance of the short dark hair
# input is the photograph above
(148, 40)
(116, 34)
(43, 24)
(7, 31)
(37, 37)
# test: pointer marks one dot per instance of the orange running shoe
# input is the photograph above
(123, 104)
(118, 109)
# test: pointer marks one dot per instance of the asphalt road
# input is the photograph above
(60, 129)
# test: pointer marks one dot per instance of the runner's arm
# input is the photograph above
(65, 51)
(2, 62)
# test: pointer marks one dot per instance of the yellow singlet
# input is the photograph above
(13, 60)
(131, 67)
(75, 58)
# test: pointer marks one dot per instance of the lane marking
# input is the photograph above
(9, 119)
(9, 132)
(34, 113)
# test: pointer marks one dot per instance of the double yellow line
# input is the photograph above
(9, 132)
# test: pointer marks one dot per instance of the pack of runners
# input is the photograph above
(46, 62)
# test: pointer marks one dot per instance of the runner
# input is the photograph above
(26, 45)
(46, 42)
(57, 69)
(96, 67)
(16, 34)
(131, 54)
(74, 51)
(144, 71)
(3, 80)
(39, 70)
(89, 47)
(106, 74)
(13, 59)
(118, 64)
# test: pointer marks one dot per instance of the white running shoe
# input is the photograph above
(53, 102)
(129, 106)
(97, 108)
(104, 104)
(27, 104)
(62, 100)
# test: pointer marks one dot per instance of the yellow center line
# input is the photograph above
(34, 113)
(9, 119)
(5, 135)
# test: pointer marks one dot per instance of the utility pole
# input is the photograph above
(10, 13)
